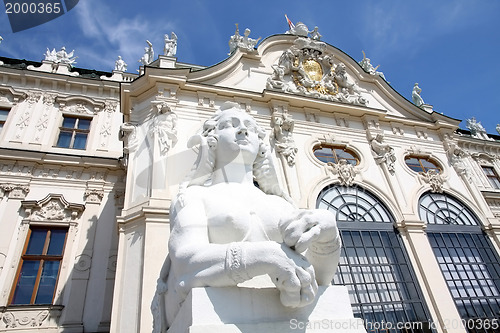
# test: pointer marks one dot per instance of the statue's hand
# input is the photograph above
(306, 227)
(293, 275)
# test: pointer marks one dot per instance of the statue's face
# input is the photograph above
(237, 132)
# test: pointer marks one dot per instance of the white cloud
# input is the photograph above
(111, 33)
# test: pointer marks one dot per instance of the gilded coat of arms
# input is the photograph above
(308, 69)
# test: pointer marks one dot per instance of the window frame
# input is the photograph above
(360, 212)
(465, 224)
(493, 178)
(74, 131)
(336, 159)
(2, 122)
(42, 259)
(423, 169)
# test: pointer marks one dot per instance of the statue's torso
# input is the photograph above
(237, 212)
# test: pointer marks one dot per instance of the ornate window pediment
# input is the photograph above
(53, 208)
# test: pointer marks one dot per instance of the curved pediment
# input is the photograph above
(307, 67)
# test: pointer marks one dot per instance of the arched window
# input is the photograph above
(421, 164)
(374, 265)
(468, 261)
(332, 153)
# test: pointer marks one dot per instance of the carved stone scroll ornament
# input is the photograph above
(14, 191)
(282, 138)
(52, 208)
(382, 152)
(434, 179)
(344, 171)
(308, 69)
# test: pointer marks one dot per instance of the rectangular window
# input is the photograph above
(38, 271)
(73, 133)
(492, 176)
(3, 116)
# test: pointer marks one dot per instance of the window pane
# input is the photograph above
(56, 245)
(3, 115)
(428, 164)
(84, 124)
(80, 141)
(64, 140)
(324, 155)
(69, 122)
(47, 282)
(26, 282)
(37, 241)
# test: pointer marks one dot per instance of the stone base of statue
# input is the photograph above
(238, 309)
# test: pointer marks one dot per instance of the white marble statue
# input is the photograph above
(149, 54)
(415, 96)
(120, 65)
(1, 39)
(226, 231)
(61, 56)
(170, 48)
(383, 152)
(165, 125)
(315, 34)
(243, 42)
(368, 67)
(284, 143)
(476, 129)
(498, 128)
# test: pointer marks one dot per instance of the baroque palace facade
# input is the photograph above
(90, 161)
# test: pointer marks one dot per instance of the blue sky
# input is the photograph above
(450, 47)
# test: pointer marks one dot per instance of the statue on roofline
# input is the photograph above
(368, 67)
(149, 54)
(170, 48)
(120, 65)
(415, 96)
(243, 42)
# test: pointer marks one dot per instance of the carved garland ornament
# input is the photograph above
(308, 69)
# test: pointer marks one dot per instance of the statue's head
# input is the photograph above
(233, 128)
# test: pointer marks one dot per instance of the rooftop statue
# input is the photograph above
(244, 42)
(498, 128)
(225, 230)
(476, 129)
(149, 54)
(415, 96)
(61, 56)
(170, 48)
(120, 65)
(368, 67)
(300, 29)
(1, 39)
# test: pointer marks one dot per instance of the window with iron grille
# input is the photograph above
(38, 272)
(374, 265)
(468, 261)
(74, 132)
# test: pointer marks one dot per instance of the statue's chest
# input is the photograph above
(241, 220)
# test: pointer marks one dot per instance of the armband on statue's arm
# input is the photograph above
(235, 263)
